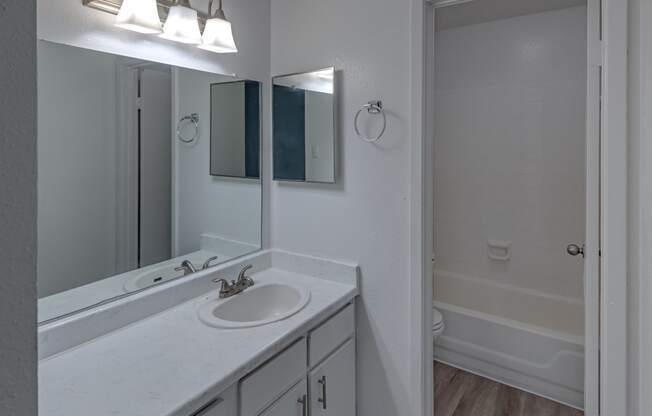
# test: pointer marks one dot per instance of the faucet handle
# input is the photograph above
(225, 287)
(207, 263)
(242, 278)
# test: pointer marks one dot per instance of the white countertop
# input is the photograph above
(171, 363)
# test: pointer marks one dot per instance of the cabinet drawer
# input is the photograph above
(273, 378)
(331, 334)
(224, 405)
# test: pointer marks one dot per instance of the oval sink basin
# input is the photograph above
(256, 306)
(151, 278)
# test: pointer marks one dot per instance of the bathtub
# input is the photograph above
(546, 358)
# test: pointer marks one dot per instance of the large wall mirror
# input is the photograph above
(140, 167)
(304, 126)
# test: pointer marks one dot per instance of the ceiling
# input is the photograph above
(480, 11)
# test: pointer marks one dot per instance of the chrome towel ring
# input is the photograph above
(372, 107)
(194, 119)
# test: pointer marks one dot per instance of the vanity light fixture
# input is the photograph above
(218, 33)
(181, 24)
(140, 16)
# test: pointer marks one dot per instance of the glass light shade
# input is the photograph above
(182, 25)
(139, 16)
(218, 36)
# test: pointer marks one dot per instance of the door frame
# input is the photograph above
(613, 209)
(592, 233)
(606, 293)
(128, 102)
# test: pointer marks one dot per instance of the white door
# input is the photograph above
(292, 403)
(332, 384)
(155, 171)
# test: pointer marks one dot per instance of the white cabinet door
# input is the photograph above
(262, 386)
(332, 384)
(292, 403)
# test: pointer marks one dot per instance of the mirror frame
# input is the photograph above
(336, 135)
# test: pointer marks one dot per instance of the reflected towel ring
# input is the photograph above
(372, 107)
(194, 119)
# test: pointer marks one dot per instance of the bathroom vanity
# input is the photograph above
(155, 296)
(171, 362)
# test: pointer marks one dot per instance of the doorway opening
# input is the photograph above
(144, 155)
(516, 207)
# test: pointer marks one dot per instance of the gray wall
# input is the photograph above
(18, 386)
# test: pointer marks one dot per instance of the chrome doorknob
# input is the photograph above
(575, 250)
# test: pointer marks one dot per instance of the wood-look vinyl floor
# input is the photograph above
(458, 393)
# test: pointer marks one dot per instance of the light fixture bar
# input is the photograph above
(113, 7)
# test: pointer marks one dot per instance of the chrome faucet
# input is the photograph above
(186, 267)
(207, 263)
(235, 286)
(243, 279)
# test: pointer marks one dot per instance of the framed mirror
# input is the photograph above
(304, 132)
(126, 181)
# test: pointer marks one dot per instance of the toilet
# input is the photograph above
(437, 324)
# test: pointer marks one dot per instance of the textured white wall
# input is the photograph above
(510, 150)
(77, 167)
(226, 207)
(365, 215)
(18, 382)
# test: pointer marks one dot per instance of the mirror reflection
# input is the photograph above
(127, 193)
(304, 126)
(235, 129)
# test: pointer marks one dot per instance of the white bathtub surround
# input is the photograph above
(529, 358)
(144, 370)
(557, 314)
(527, 339)
(510, 140)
